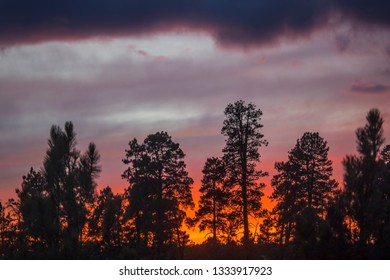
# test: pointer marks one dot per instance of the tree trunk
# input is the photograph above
(245, 210)
(214, 216)
(281, 235)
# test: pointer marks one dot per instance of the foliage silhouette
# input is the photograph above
(105, 224)
(366, 182)
(54, 203)
(58, 213)
(302, 189)
(241, 155)
(213, 212)
(268, 229)
(159, 192)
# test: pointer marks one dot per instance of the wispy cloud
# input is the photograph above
(370, 88)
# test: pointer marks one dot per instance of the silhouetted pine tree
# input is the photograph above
(106, 223)
(335, 236)
(36, 211)
(287, 193)
(381, 207)
(88, 171)
(161, 188)
(241, 155)
(366, 182)
(70, 184)
(303, 188)
(54, 203)
(214, 200)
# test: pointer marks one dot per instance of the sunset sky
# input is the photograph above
(122, 69)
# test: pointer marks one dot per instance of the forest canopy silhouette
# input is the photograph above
(58, 212)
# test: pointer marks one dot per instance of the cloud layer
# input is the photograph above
(116, 90)
(230, 22)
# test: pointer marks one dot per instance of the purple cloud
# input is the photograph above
(370, 89)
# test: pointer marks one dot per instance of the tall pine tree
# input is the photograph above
(241, 155)
(366, 183)
(55, 202)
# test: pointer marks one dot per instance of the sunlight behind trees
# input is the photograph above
(59, 214)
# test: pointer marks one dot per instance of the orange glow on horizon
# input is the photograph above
(198, 237)
(119, 186)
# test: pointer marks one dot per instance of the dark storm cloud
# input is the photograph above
(370, 89)
(229, 21)
(373, 11)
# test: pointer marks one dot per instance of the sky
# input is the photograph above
(121, 69)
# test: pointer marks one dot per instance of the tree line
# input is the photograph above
(59, 214)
